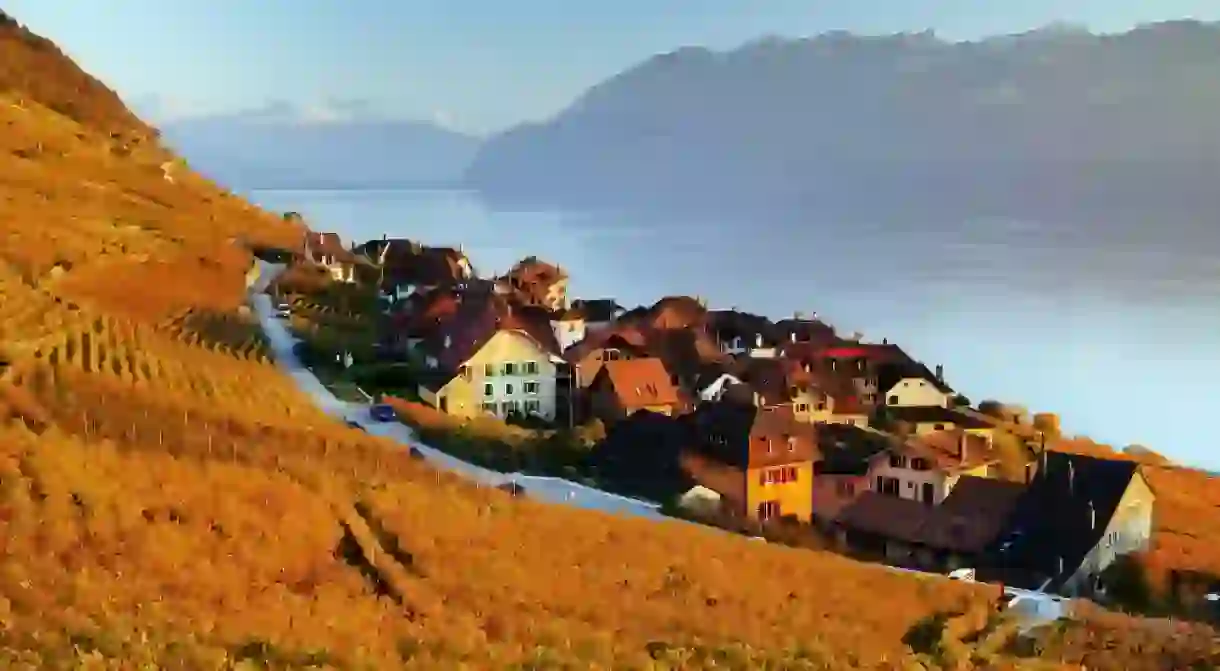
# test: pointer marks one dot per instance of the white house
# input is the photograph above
(757, 348)
(919, 392)
(569, 328)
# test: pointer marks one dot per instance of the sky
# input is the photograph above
(478, 66)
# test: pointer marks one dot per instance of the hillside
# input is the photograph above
(169, 500)
(1046, 121)
(259, 151)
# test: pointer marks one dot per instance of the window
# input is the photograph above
(768, 510)
(791, 444)
(530, 367)
(508, 388)
(887, 486)
(531, 387)
(611, 355)
(489, 370)
(898, 461)
(893, 399)
(929, 493)
(845, 488)
(920, 464)
(489, 389)
(465, 373)
(533, 406)
(489, 408)
(802, 407)
(777, 476)
(820, 406)
(510, 368)
(939, 427)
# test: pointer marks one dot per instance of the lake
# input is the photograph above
(1113, 327)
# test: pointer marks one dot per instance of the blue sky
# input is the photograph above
(478, 65)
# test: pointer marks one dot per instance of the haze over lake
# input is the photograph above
(1114, 327)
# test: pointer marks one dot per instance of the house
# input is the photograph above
(627, 386)
(921, 392)
(907, 533)
(742, 333)
(536, 282)
(407, 266)
(800, 329)
(669, 313)
(687, 353)
(1078, 514)
(873, 367)
(327, 250)
(924, 420)
(498, 359)
(758, 460)
(597, 348)
(844, 470)
(779, 382)
(599, 314)
(421, 315)
(569, 327)
(926, 468)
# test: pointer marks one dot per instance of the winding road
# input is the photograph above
(1033, 608)
(551, 490)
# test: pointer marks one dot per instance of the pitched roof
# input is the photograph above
(599, 309)
(408, 262)
(639, 382)
(744, 436)
(1063, 513)
(967, 520)
(727, 325)
(685, 351)
(847, 449)
(623, 337)
(950, 450)
(480, 317)
(924, 415)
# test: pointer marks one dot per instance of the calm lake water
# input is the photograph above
(1111, 326)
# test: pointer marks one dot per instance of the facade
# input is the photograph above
(596, 349)
(926, 468)
(569, 327)
(759, 460)
(918, 392)
(510, 373)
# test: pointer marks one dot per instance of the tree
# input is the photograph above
(1127, 583)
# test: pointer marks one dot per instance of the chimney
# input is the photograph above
(1029, 472)
(798, 315)
(1071, 477)
(384, 237)
(1060, 565)
(940, 373)
(448, 342)
(792, 336)
(813, 315)
(1092, 516)
(885, 341)
(757, 399)
(758, 340)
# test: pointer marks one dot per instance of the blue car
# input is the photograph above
(383, 413)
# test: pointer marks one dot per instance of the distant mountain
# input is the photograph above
(267, 150)
(1055, 117)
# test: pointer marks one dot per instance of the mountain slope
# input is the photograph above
(1058, 116)
(169, 500)
(292, 153)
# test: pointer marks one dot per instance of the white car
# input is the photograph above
(963, 574)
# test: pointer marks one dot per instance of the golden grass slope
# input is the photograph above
(168, 499)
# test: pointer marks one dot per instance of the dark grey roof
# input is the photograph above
(1063, 513)
(599, 309)
(848, 449)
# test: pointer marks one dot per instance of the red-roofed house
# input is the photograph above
(494, 358)
(627, 386)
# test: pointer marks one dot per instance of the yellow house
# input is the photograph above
(499, 366)
(759, 460)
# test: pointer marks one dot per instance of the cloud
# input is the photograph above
(332, 110)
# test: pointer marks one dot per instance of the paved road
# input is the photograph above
(553, 490)
(1034, 608)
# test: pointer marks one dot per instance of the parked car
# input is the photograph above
(963, 574)
(382, 413)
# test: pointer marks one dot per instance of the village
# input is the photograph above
(782, 429)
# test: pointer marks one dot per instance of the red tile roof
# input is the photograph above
(479, 318)
(640, 382)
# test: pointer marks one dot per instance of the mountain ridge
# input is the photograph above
(830, 118)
